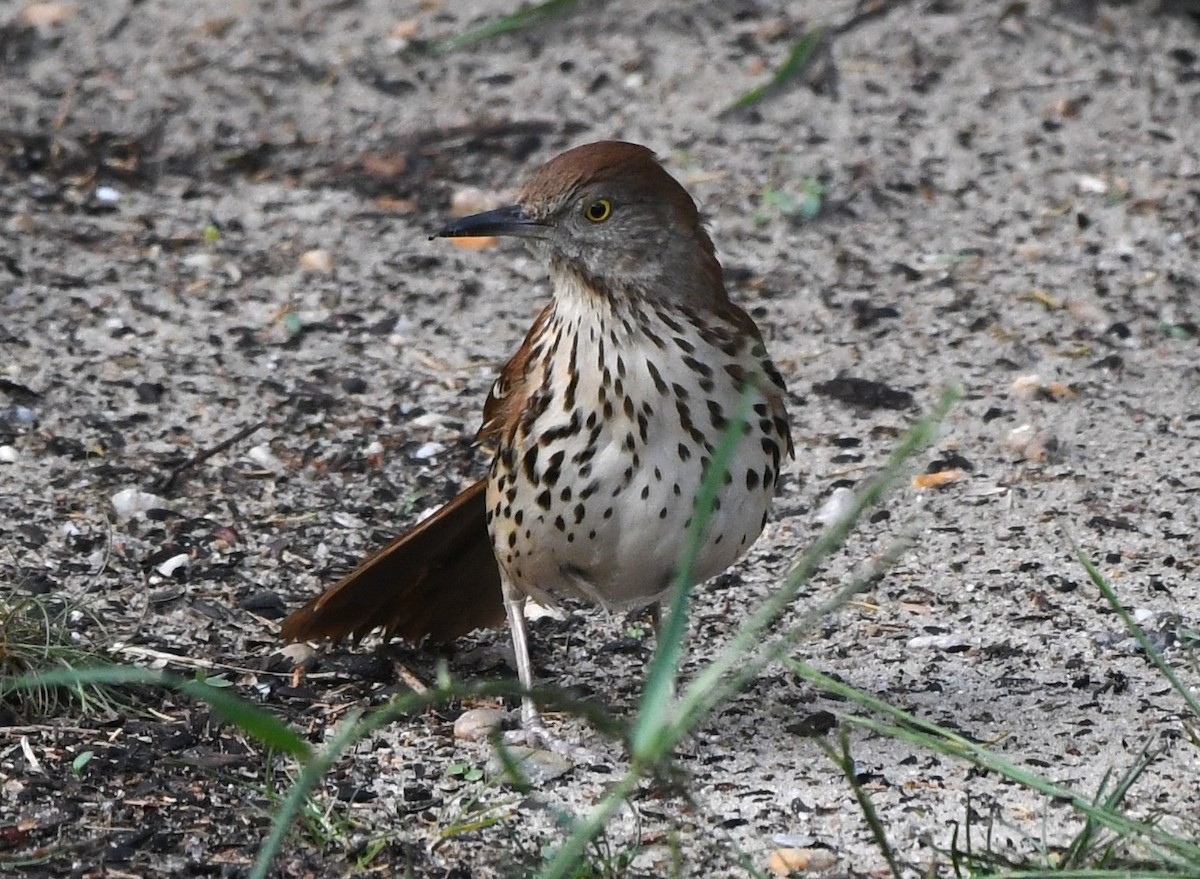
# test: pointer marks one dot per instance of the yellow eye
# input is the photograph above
(599, 210)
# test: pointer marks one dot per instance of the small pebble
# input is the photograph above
(107, 195)
(938, 642)
(8, 455)
(428, 451)
(786, 861)
(317, 260)
(836, 507)
(477, 724)
(1030, 443)
(200, 261)
(264, 457)
(131, 502)
(535, 765)
(299, 653)
(173, 564)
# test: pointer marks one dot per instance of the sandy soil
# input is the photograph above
(1010, 200)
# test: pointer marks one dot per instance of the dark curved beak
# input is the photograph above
(511, 221)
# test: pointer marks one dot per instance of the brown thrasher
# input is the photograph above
(604, 424)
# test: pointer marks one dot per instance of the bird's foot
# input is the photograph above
(534, 734)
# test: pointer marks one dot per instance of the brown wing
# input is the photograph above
(440, 580)
(509, 393)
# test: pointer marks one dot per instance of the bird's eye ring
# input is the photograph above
(599, 210)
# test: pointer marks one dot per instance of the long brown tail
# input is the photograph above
(440, 580)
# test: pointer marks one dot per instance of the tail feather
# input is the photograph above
(438, 581)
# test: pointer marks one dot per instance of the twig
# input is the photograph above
(167, 483)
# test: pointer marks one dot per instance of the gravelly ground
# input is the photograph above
(1011, 202)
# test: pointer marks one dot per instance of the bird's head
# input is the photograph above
(608, 213)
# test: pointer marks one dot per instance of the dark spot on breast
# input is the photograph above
(697, 366)
(519, 518)
(512, 538)
(608, 513)
(544, 500)
(565, 495)
(645, 492)
(656, 376)
(560, 523)
(751, 479)
(580, 510)
(685, 453)
(529, 464)
(684, 345)
(629, 408)
(680, 391)
(553, 469)
(662, 514)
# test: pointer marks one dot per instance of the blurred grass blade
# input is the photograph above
(797, 62)
(1153, 655)
(310, 776)
(506, 24)
(249, 718)
(844, 760)
(747, 652)
(1172, 849)
(658, 693)
(254, 721)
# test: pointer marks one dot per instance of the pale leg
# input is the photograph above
(514, 607)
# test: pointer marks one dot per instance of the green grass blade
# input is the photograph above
(309, 778)
(797, 61)
(1172, 850)
(505, 24)
(747, 653)
(254, 721)
(657, 702)
(1153, 655)
(565, 861)
(844, 761)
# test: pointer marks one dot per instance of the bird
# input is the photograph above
(602, 427)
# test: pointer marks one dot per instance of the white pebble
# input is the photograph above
(131, 502)
(375, 448)
(107, 194)
(318, 260)
(428, 450)
(8, 455)
(264, 457)
(836, 507)
(200, 261)
(173, 564)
